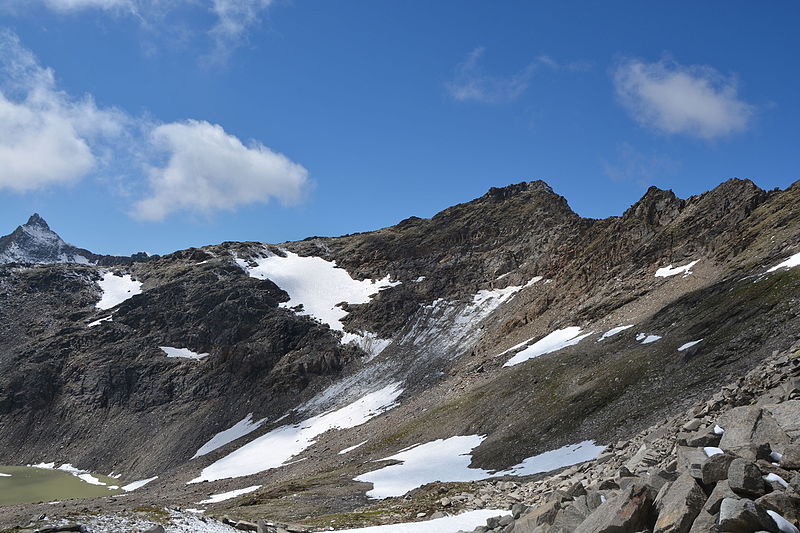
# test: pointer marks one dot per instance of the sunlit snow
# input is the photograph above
(449, 524)
(184, 353)
(689, 345)
(117, 289)
(784, 526)
(277, 447)
(351, 448)
(109, 318)
(83, 475)
(138, 484)
(214, 498)
(614, 331)
(558, 339)
(320, 286)
(448, 460)
(647, 339)
(244, 427)
(789, 263)
(670, 271)
(4, 475)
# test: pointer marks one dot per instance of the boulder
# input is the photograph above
(715, 468)
(744, 477)
(787, 414)
(678, 504)
(739, 425)
(703, 438)
(785, 503)
(791, 457)
(691, 459)
(744, 516)
(708, 515)
(628, 512)
(540, 515)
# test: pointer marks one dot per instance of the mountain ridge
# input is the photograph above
(465, 291)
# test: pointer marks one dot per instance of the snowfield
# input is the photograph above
(316, 284)
(116, 289)
(670, 271)
(184, 353)
(238, 430)
(319, 286)
(558, 339)
(449, 459)
(279, 446)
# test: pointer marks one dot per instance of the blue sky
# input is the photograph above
(161, 124)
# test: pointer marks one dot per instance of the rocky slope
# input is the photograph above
(436, 315)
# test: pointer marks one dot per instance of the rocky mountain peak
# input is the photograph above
(34, 242)
(37, 221)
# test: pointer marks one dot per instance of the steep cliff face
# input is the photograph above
(492, 319)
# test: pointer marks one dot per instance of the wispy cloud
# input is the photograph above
(693, 100)
(49, 138)
(471, 83)
(234, 19)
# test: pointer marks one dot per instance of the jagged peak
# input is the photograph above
(36, 220)
(515, 189)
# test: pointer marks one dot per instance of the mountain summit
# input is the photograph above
(35, 242)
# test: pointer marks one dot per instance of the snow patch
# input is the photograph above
(789, 263)
(117, 289)
(277, 447)
(449, 459)
(558, 339)
(184, 353)
(4, 475)
(109, 318)
(712, 450)
(775, 478)
(647, 339)
(138, 484)
(689, 345)
(614, 331)
(238, 430)
(215, 498)
(351, 448)
(718, 430)
(665, 272)
(449, 524)
(83, 475)
(784, 526)
(316, 284)
(319, 286)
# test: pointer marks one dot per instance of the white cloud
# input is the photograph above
(209, 170)
(673, 98)
(46, 137)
